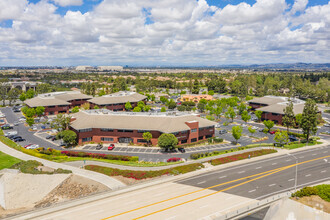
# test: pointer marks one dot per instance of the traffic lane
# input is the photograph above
(309, 173)
(253, 168)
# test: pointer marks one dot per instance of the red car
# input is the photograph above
(272, 132)
(27, 145)
(111, 147)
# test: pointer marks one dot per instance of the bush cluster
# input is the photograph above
(139, 175)
(31, 166)
(99, 156)
(321, 190)
(173, 159)
(242, 156)
(296, 134)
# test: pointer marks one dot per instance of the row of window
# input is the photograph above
(140, 131)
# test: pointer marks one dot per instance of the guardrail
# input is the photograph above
(246, 210)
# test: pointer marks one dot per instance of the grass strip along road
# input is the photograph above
(255, 177)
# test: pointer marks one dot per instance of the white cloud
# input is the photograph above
(65, 3)
(11, 9)
(185, 32)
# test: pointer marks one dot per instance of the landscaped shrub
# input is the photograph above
(100, 156)
(296, 134)
(138, 175)
(218, 140)
(241, 156)
(195, 156)
(306, 191)
(173, 159)
(324, 191)
(31, 166)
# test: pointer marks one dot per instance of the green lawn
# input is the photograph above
(294, 146)
(7, 161)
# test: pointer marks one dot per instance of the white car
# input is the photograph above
(22, 120)
(34, 128)
(10, 133)
(254, 127)
(326, 125)
(218, 126)
(33, 146)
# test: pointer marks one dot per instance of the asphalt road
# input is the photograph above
(209, 194)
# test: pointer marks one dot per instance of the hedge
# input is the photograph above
(100, 156)
(139, 175)
(296, 134)
(322, 191)
(242, 156)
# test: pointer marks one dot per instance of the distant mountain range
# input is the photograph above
(282, 66)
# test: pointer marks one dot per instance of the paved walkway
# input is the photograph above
(110, 182)
(122, 167)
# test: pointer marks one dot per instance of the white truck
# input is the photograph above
(10, 133)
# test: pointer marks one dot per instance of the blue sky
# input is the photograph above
(163, 32)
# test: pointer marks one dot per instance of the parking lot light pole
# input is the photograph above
(296, 176)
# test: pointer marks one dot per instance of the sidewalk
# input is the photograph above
(110, 182)
(122, 167)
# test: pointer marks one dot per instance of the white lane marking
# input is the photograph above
(258, 168)
(301, 157)
(204, 206)
(290, 179)
(201, 182)
(314, 154)
(272, 184)
(130, 202)
(159, 194)
(222, 177)
(173, 217)
(252, 190)
(308, 175)
(323, 171)
(241, 171)
(229, 198)
(288, 160)
(274, 163)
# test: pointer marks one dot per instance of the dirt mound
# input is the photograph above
(72, 188)
(315, 202)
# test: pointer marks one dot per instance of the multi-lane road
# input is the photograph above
(209, 194)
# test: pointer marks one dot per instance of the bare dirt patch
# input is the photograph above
(72, 188)
(314, 202)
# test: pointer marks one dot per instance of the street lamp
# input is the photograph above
(295, 182)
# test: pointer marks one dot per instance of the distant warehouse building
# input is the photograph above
(116, 101)
(58, 102)
(105, 126)
(273, 107)
(110, 68)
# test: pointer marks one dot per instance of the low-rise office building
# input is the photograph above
(116, 101)
(272, 107)
(58, 102)
(106, 126)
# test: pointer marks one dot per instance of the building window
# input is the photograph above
(142, 131)
(184, 141)
(129, 131)
(201, 129)
(141, 141)
(107, 129)
(193, 140)
(200, 137)
(175, 133)
(184, 132)
(62, 105)
(274, 114)
(193, 130)
(85, 130)
(51, 113)
(51, 106)
(106, 139)
(208, 136)
(87, 139)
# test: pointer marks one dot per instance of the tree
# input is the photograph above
(22, 97)
(167, 141)
(61, 122)
(269, 124)
(128, 106)
(96, 107)
(171, 104)
(251, 130)
(288, 118)
(86, 106)
(30, 94)
(141, 104)
(245, 116)
(13, 95)
(163, 99)
(163, 109)
(201, 106)
(231, 113)
(43, 88)
(69, 137)
(147, 136)
(75, 109)
(30, 121)
(30, 112)
(309, 118)
(146, 108)
(40, 110)
(237, 132)
(298, 120)
(137, 109)
(258, 114)
(241, 108)
(211, 92)
(281, 137)
(195, 89)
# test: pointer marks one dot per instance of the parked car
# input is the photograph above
(50, 136)
(19, 139)
(33, 146)
(243, 125)
(16, 123)
(34, 128)
(10, 133)
(218, 126)
(181, 149)
(99, 147)
(222, 131)
(111, 147)
(16, 110)
(12, 137)
(272, 132)
(326, 125)
(63, 145)
(28, 145)
(6, 127)
(22, 120)
(293, 138)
